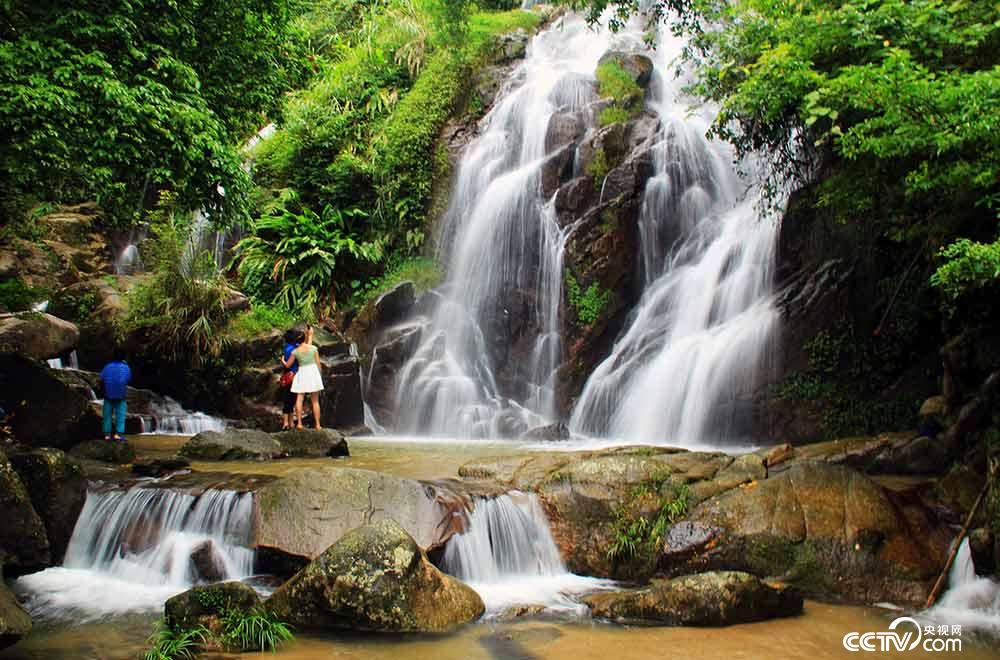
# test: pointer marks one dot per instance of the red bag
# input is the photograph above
(287, 378)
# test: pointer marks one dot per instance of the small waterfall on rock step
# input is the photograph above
(131, 550)
(509, 557)
(168, 417)
(971, 601)
(72, 361)
(485, 366)
(697, 344)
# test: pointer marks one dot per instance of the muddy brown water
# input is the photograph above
(815, 635)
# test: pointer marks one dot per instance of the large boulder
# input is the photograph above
(46, 410)
(376, 578)
(305, 512)
(719, 598)
(36, 335)
(204, 605)
(58, 489)
(827, 529)
(233, 445)
(374, 318)
(342, 402)
(14, 621)
(24, 545)
(388, 359)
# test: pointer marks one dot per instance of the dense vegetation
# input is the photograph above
(356, 151)
(115, 100)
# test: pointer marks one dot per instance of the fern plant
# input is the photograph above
(253, 630)
(169, 644)
(295, 258)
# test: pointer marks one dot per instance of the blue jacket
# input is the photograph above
(289, 348)
(115, 376)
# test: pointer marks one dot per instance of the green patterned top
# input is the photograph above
(307, 356)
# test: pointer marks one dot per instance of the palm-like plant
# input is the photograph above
(294, 257)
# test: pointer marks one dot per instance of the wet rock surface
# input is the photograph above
(14, 621)
(375, 579)
(57, 488)
(721, 598)
(24, 545)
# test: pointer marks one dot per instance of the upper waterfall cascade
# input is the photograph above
(696, 343)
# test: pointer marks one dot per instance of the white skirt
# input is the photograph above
(307, 380)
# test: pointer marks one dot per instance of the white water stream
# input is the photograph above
(509, 557)
(971, 601)
(696, 344)
(131, 550)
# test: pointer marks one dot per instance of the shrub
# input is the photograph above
(260, 319)
(16, 296)
(169, 644)
(588, 304)
(422, 271)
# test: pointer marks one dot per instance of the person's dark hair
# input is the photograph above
(292, 336)
(119, 354)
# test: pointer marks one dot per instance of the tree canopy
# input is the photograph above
(119, 99)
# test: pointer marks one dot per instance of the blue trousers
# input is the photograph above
(117, 408)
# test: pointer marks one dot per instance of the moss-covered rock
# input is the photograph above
(14, 621)
(720, 598)
(313, 442)
(106, 451)
(376, 579)
(23, 543)
(233, 445)
(57, 488)
(205, 605)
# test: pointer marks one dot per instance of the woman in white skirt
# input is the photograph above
(308, 380)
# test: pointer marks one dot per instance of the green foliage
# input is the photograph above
(118, 100)
(257, 629)
(16, 296)
(297, 259)
(180, 309)
(637, 534)
(423, 272)
(848, 374)
(169, 644)
(614, 114)
(970, 266)
(588, 304)
(614, 82)
(598, 168)
(260, 319)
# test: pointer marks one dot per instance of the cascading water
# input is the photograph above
(971, 601)
(131, 550)
(699, 337)
(168, 417)
(72, 362)
(486, 363)
(509, 557)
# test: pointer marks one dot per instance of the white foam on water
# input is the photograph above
(971, 601)
(170, 418)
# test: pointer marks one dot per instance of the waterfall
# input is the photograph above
(971, 601)
(131, 550)
(168, 417)
(72, 362)
(487, 360)
(698, 341)
(509, 557)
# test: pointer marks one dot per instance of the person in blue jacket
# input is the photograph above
(115, 377)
